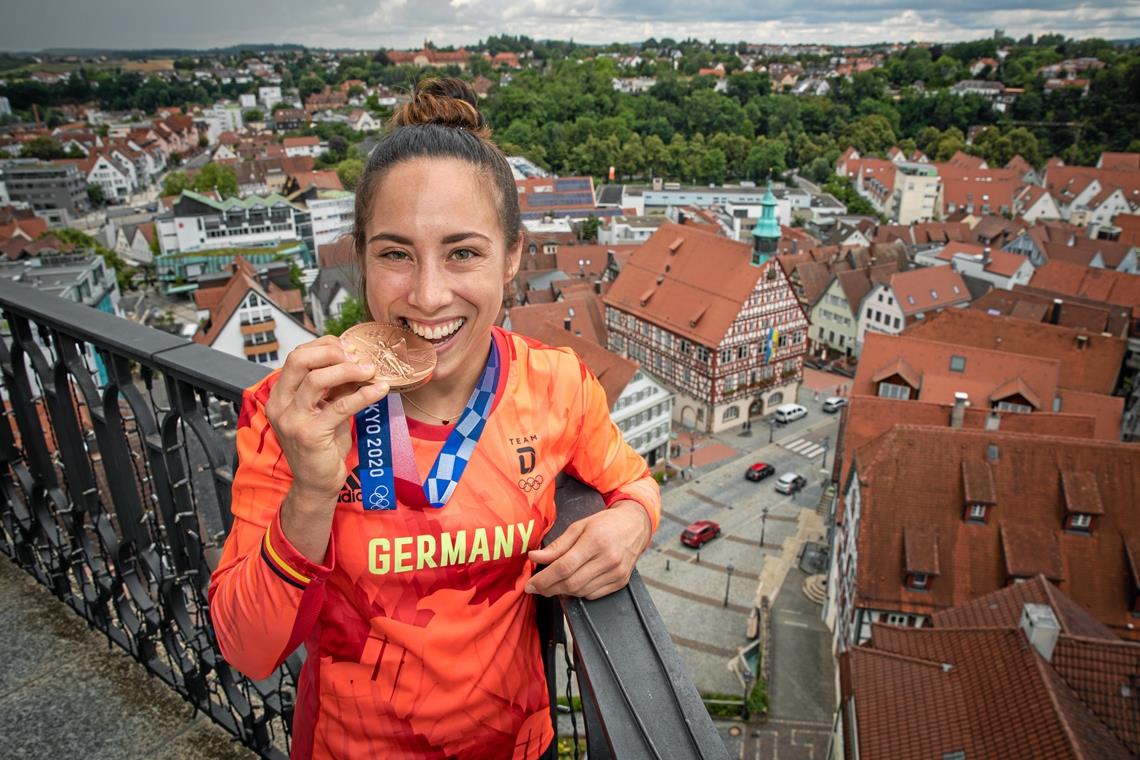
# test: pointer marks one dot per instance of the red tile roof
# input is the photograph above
(587, 260)
(1036, 305)
(1102, 285)
(911, 476)
(926, 289)
(1092, 365)
(983, 692)
(689, 282)
(584, 311)
(985, 371)
(1129, 225)
(234, 292)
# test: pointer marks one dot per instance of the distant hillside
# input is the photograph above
(171, 52)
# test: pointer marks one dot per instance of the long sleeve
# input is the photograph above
(265, 596)
(602, 458)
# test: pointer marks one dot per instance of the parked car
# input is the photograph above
(833, 404)
(788, 412)
(700, 533)
(759, 471)
(790, 482)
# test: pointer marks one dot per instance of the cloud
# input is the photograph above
(397, 23)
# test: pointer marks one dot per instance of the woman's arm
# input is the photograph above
(595, 556)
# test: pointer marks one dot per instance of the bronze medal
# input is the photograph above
(403, 359)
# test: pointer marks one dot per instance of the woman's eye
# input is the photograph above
(463, 254)
(394, 255)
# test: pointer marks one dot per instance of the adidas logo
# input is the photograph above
(350, 491)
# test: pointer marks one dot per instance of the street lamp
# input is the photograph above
(763, 524)
(727, 581)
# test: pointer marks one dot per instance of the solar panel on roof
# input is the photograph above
(567, 185)
(560, 199)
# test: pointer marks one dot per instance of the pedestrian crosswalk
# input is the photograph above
(805, 448)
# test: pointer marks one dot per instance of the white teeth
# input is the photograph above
(438, 331)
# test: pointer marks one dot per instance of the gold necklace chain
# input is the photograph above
(444, 420)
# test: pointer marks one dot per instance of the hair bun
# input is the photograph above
(443, 100)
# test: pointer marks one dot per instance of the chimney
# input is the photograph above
(1055, 313)
(597, 287)
(658, 183)
(958, 414)
(986, 255)
(566, 324)
(993, 421)
(1040, 626)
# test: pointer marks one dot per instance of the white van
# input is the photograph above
(789, 412)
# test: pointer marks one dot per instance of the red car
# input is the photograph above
(759, 471)
(700, 533)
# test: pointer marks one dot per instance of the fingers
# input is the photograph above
(349, 404)
(319, 383)
(322, 352)
(589, 563)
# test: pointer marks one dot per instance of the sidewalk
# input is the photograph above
(64, 692)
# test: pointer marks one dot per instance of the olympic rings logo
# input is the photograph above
(530, 484)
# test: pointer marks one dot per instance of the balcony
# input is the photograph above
(115, 470)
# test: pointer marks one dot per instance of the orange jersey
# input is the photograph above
(420, 640)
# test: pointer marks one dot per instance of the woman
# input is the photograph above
(416, 614)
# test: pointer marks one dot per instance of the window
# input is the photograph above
(934, 294)
(1008, 406)
(725, 355)
(731, 413)
(890, 390)
(977, 513)
(702, 354)
(919, 580)
(957, 363)
(895, 618)
(910, 300)
(1080, 522)
(896, 323)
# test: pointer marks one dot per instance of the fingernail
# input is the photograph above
(529, 588)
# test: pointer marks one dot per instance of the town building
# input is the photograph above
(908, 297)
(56, 191)
(714, 320)
(1021, 673)
(252, 317)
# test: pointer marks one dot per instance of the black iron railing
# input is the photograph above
(115, 474)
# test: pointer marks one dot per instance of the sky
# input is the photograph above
(30, 25)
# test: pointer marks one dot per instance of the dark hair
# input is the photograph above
(442, 120)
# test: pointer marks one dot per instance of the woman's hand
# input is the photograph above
(594, 556)
(311, 408)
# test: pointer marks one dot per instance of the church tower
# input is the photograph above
(766, 233)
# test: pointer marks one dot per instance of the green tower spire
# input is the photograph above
(766, 233)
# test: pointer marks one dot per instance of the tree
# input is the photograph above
(310, 85)
(588, 230)
(766, 159)
(124, 274)
(95, 195)
(219, 178)
(349, 171)
(175, 183)
(44, 148)
(868, 134)
(351, 313)
(253, 114)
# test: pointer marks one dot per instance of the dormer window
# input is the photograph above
(977, 513)
(920, 557)
(979, 492)
(1079, 522)
(1082, 501)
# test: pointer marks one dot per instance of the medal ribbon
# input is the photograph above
(379, 459)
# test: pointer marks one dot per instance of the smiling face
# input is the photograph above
(436, 261)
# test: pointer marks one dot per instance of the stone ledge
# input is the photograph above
(66, 692)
